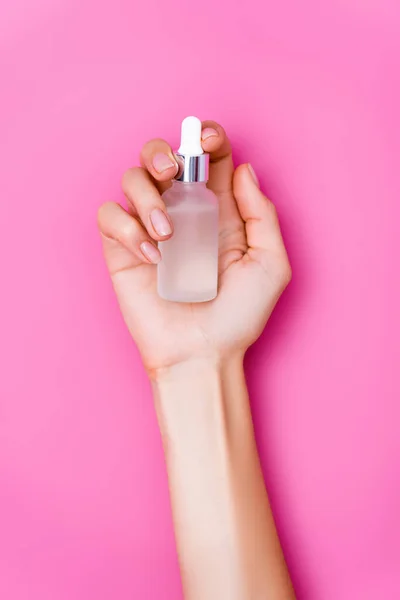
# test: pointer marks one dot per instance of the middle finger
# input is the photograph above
(145, 199)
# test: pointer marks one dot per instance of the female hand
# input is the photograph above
(253, 264)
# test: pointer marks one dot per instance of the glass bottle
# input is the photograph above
(188, 271)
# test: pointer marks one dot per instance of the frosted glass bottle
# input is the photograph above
(188, 271)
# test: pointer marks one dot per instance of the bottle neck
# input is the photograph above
(176, 184)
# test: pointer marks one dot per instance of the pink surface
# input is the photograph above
(310, 94)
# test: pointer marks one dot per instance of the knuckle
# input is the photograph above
(272, 209)
(154, 145)
(102, 213)
(131, 176)
(125, 179)
(127, 232)
(285, 272)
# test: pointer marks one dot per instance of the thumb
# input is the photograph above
(264, 237)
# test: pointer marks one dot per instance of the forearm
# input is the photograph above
(226, 538)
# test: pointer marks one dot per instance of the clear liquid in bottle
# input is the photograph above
(188, 271)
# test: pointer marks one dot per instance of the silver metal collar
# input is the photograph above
(192, 169)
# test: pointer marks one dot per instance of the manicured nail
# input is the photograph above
(253, 174)
(208, 132)
(160, 222)
(150, 252)
(162, 162)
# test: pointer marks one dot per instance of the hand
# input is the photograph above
(253, 264)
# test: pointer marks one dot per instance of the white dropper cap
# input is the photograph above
(192, 161)
(191, 137)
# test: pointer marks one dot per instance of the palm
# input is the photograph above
(168, 332)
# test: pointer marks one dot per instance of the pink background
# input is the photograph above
(310, 94)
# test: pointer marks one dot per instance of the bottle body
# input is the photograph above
(188, 271)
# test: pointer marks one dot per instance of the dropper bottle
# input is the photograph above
(188, 271)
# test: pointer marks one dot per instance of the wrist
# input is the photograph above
(216, 363)
(203, 394)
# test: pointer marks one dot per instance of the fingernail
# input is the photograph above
(162, 162)
(150, 252)
(160, 222)
(208, 132)
(253, 174)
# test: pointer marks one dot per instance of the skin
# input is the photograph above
(226, 538)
